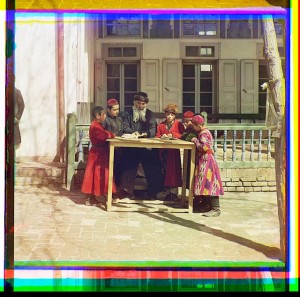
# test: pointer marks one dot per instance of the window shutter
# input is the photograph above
(228, 86)
(249, 86)
(172, 82)
(150, 82)
(99, 83)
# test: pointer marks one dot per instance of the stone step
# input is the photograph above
(39, 173)
(36, 180)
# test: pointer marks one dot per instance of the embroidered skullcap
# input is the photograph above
(141, 96)
(173, 108)
(112, 102)
(188, 115)
(198, 120)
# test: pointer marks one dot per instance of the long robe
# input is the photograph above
(171, 157)
(149, 159)
(207, 175)
(95, 181)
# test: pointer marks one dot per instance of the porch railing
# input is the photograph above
(239, 145)
(243, 145)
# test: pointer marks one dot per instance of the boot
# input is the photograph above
(196, 202)
(205, 205)
(201, 204)
(215, 207)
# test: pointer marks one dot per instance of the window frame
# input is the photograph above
(122, 77)
(279, 37)
(104, 27)
(217, 21)
(227, 21)
(215, 45)
(150, 26)
(197, 78)
(106, 57)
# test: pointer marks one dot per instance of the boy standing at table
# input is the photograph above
(114, 124)
(208, 184)
(171, 161)
(95, 180)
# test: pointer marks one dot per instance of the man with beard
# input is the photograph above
(141, 121)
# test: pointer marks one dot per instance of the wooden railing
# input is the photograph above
(214, 118)
(238, 145)
(243, 145)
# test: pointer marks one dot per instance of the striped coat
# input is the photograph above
(207, 175)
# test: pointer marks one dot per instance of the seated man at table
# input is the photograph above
(141, 121)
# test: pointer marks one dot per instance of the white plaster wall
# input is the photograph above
(238, 49)
(71, 64)
(79, 61)
(35, 70)
(170, 49)
(161, 49)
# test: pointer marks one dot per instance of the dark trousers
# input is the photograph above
(188, 167)
(151, 165)
(118, 165)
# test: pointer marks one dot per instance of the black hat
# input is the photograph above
(141, 96)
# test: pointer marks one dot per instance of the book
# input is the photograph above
(168, 138)
(133, 136)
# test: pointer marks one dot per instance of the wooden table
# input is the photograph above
(186, 203)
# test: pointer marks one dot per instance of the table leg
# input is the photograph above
(184, 176)
(191, 181)
(110, 176)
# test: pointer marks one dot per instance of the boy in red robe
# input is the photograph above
(171, 127)
(95, 181)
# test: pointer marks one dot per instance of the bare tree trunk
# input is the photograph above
(276, 101)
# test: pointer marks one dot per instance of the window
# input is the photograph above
(260, 51)
(122, 82)
(123, 25)
(199, 25)
(125, 52)
(198, 87)
(239, 29)
(239, 26)
(263, 74)
(279, 26)
(264, 77)
(122, 52)
(199, 51)
(122, 72)
(161, 26)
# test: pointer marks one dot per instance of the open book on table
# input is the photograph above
(164, 137)
(133, 136)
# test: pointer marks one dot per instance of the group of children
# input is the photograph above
(207, 181)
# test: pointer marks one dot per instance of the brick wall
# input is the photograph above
(249, 180)
(234, 180)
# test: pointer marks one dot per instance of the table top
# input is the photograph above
(151, 142)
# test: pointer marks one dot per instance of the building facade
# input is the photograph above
(201, 62)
